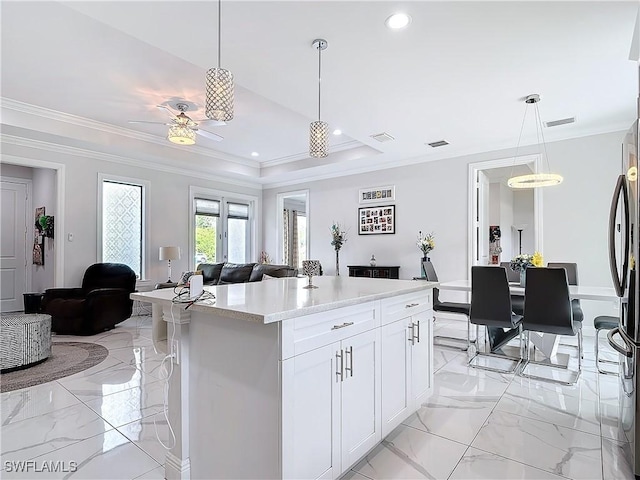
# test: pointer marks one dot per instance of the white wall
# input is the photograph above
(16, 171)
(506, 221)
(433, 197)
(494, 203)
(523, 215)
(169, 208)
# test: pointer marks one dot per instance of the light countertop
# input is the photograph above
(283, 298)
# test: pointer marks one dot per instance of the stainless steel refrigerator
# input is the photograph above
(624, 222)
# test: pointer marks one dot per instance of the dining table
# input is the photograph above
(545, 342)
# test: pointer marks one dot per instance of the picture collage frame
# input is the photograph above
(377, 220)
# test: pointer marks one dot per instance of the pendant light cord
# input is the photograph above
(544, 144)
(219, 29)
(319, 75)
(519, 138)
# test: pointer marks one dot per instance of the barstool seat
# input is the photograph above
(604, 322)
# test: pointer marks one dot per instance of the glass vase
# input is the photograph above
(422, 272)
(523, 277)
(337, 262)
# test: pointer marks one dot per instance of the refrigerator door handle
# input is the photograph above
(618, 348)
(619, 281)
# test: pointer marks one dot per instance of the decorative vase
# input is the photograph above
(422, 273)
(337, 262)
(372, 262)
(310, 268)
(523, 276)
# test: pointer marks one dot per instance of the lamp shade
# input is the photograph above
(181, 134)
(169, 253)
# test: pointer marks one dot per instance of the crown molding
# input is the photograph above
(108, 157)
(304, 156)
(29, 109)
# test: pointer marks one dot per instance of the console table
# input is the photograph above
(373, 272)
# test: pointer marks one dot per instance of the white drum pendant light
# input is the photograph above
(319, 130)
(539, 179)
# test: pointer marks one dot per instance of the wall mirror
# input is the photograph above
(293, 227)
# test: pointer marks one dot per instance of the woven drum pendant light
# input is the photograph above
(319, 130)
(219, 101)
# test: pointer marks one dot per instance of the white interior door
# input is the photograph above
(13, 250)
(481, 233)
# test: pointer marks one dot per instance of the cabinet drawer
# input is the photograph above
(320, 329)
(403, 306)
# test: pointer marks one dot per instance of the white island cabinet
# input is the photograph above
(272, 380)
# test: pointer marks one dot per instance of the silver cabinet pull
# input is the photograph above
(412, 337)
(345, 324)
(350, 367)
(339, 372)
(411, 305)
(418, 328)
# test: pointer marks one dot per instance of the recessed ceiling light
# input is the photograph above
(398, 20)
(337, 131)
(255, 154)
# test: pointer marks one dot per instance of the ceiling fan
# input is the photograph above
(182, 129)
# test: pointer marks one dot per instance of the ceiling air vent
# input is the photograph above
(382, 137)
(562, 121)
(439, 143)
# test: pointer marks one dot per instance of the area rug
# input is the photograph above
(66, 359)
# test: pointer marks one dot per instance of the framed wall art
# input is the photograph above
(377, 194)
(377, 220)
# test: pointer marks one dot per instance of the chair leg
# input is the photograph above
(490, 354)
(528, 362)
(599, 361)
(465, 343)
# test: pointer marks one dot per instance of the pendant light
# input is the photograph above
(319, 130)
(541, 179)
(219, 102)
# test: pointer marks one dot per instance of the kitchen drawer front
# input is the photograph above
(404, 306)
(320, 329)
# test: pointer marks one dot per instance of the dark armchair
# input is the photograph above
(101, 303)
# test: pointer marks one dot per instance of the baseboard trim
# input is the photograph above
(176, 469)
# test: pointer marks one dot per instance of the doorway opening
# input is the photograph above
(30, 262)
(503, 222)
(293, 228)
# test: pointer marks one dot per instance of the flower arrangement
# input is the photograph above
(524, 261)
(265, 258)
(425, 243)
(338, 236)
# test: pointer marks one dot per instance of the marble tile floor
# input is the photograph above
(477, 424)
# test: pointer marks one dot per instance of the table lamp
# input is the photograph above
(169, 253)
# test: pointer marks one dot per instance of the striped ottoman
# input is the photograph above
(25, 339)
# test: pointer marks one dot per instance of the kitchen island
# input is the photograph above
(272, 380)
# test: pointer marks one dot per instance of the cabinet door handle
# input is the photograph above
(339, 372)
(350, 367)
(418, 328)
(411, 305)
(345, 324)
(412, 337)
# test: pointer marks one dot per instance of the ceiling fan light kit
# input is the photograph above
(319, 130)
(540, 179)
(219, 88)
(182, 135)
